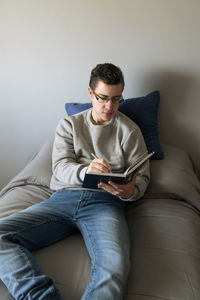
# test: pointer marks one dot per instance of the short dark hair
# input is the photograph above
(108, 73)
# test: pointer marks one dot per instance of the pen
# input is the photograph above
(94, 155)
(109, 168)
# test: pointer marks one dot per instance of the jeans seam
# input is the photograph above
(94, 264)
(80, 204)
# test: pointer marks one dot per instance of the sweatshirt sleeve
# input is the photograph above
(135, 147)
(64, 165)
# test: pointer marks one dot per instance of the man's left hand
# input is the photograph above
(120, 190)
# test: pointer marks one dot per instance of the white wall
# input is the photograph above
(48, 47)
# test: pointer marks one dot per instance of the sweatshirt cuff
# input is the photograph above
(82, 173)
(135, 196)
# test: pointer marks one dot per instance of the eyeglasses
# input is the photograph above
(116, 99)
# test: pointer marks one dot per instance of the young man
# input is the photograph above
(99, 215)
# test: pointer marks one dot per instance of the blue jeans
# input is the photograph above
(99, 216)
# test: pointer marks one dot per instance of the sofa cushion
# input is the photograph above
(142, 110)
(31, 185)
(174, 178)
(37, 172)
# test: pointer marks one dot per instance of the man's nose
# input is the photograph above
(109, 103)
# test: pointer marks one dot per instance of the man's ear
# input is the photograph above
(90, 92)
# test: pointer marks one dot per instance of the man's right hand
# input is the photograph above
(98, 165)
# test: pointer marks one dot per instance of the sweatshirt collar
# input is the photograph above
(92, 125)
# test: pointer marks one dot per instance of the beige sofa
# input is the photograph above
(164, 227)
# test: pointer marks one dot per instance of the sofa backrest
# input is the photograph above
(179, 121)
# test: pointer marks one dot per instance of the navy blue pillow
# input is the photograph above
(142, 110)
(73, 108)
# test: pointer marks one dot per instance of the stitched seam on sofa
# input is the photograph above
(13, 186)
(149, 295)
(169, 250)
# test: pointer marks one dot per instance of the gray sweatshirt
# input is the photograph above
(120, 142)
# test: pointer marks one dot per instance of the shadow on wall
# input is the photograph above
(179, 109)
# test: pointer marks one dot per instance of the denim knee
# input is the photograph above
(115, 267)
(120, 267)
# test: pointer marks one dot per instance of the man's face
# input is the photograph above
(103, 112)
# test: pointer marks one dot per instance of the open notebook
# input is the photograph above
(91, 180)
